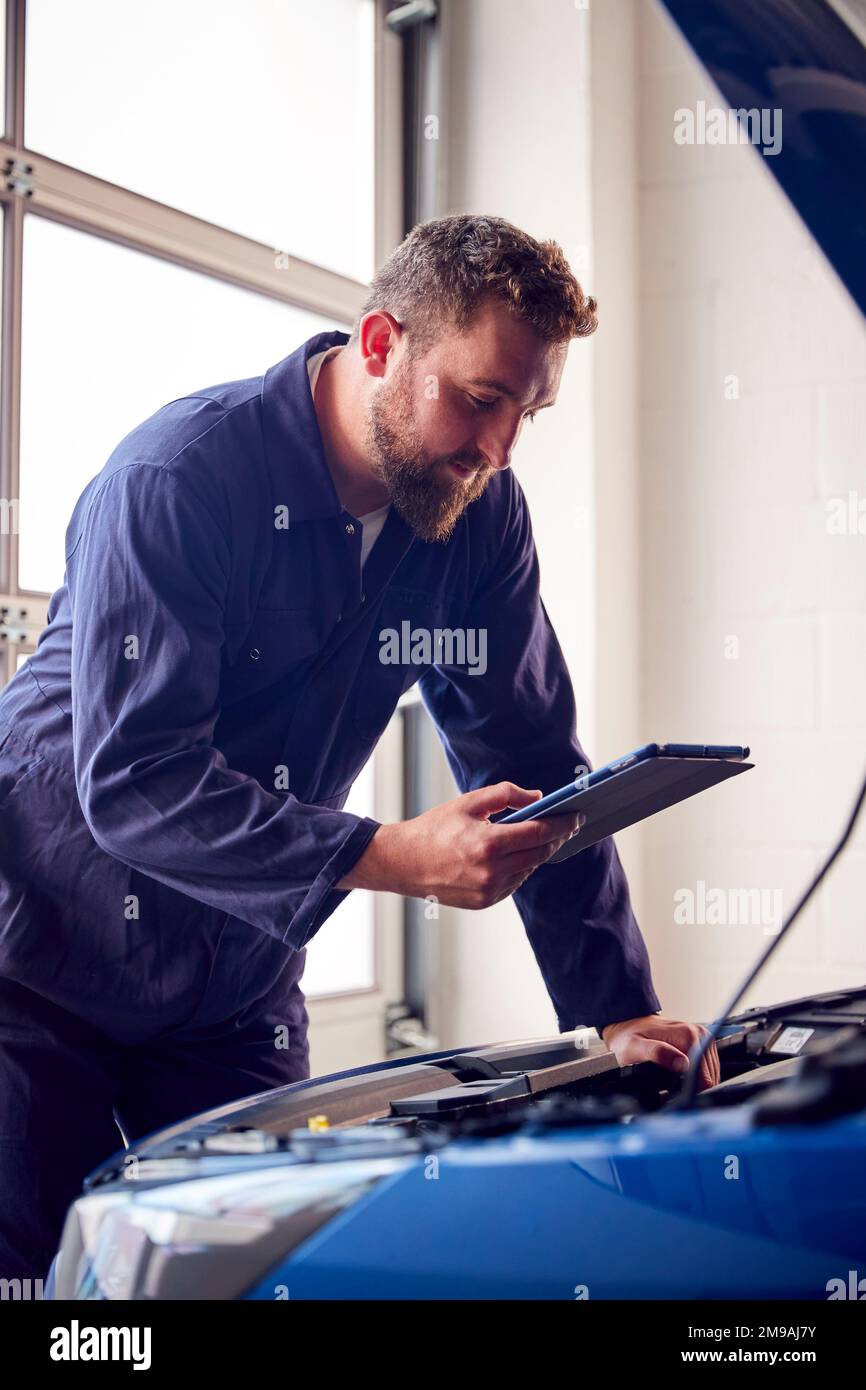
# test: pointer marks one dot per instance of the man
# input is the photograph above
(175, 756)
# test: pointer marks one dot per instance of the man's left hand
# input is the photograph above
(665, 1041)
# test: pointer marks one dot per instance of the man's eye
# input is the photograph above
(479, 404)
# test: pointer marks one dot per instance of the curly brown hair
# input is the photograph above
(441, 273)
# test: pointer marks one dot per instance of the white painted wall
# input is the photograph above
(736, 550)
(705, 516)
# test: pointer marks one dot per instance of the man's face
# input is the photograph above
(441, 425)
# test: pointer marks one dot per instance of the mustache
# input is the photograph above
(478, 466)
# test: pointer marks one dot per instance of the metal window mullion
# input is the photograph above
(10, 322)
(13, 124)
(104, 209)
(10, 383)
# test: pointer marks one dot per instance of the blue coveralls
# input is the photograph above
(158, 882)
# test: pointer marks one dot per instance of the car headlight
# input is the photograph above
(208, 1238)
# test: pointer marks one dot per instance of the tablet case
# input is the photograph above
(637, 792)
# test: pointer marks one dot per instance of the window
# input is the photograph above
(108, 336)
(190, 191)
(256, 116)
(341, 956)
(226, 168)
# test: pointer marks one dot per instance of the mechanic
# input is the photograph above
(175, 755)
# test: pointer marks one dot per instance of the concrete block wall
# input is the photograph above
(752, 419)
(719, 410)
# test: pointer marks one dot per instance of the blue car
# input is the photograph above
(528, 1170)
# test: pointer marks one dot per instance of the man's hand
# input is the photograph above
(457, 855)
(664, 1041)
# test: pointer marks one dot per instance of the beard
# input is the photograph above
(429, 502)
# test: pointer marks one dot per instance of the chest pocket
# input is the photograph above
(401, 648)
(279, 642)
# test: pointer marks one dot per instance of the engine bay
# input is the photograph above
(800, 1062)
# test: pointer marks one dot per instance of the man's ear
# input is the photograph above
(379, 334)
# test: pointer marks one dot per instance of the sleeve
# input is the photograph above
(517, 722)
(148, 580)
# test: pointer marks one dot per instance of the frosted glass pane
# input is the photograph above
(341, 956)
(109, 335)
(257, 116)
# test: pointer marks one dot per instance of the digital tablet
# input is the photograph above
(635, 787)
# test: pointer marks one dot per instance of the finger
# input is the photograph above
(711, 1067)
(534, 834)
(485, 801)
(527, 862)
(717, 1065)
(503, 890)
(705, 1079)
(710, 1070)
(662, 1053)
(529, 859)
(512, 886)
(684, 1036)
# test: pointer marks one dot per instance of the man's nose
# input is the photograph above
(498, 447)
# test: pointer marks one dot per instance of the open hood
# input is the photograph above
(807, 60)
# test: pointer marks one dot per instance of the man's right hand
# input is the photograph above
(455, 854)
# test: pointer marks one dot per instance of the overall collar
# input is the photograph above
(293, 442)
(297, 466)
